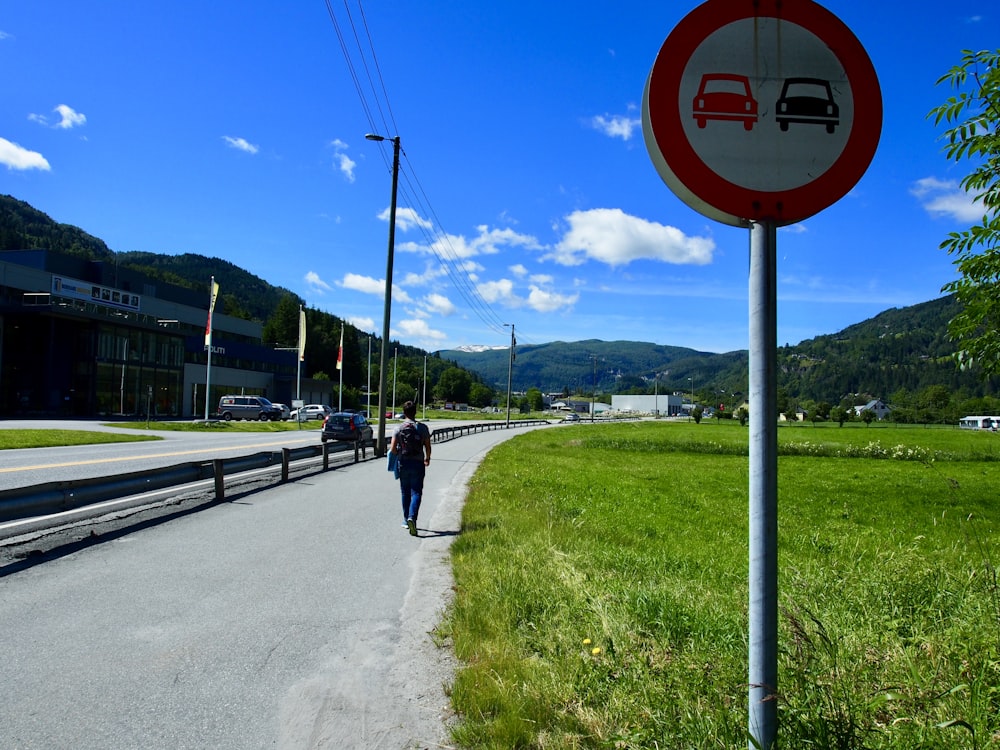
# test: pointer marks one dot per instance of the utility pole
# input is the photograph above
(388, 291)
(593, 396)
(510, 368)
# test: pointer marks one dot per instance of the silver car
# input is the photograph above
(311, 411)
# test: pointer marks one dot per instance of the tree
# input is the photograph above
(973, 117)
(282, 328)
(480, 395)
(453, 385)
(535, 399)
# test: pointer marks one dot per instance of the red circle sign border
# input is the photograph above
(738, 203)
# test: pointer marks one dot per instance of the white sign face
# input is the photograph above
(768, 110)
(769, 121)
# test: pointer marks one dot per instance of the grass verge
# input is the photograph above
(31, 438)
(601, 597)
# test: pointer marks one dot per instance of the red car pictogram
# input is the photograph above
(725, 96)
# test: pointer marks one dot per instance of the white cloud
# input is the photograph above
(541, 278)
(16, 157)
(315, 283)
(486, 242)
(431, 272)
(419, 329)
(364, 284)
(69, 118)
(439, 304)
(362, 324)
(519, 270)
(794, 229)
(5, 35)
(406, 218)
(547, 301)
(241, 144)
(497, 291)
(345, 164)
(611, 236)
(946, 198)
(376, 287)
(617, 126)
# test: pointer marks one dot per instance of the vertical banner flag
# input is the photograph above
(211, 310)
(302, 334)
(340, 351)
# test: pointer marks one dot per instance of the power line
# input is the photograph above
(438, 242)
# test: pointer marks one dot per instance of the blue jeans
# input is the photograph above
(411, 485)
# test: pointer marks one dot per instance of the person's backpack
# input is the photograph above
(408, 439)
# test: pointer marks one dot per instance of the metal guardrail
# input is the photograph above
(57, 497)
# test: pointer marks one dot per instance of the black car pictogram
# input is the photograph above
(809, 101)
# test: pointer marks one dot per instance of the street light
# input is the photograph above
(691, 381)
(380, 448)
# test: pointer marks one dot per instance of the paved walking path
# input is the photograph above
(296, 616)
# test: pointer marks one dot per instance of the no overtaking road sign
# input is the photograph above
(761, 110)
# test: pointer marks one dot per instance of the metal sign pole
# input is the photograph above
(763, 581)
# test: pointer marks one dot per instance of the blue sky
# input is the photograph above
(526, 193)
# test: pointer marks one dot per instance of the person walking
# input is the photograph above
(411, 442)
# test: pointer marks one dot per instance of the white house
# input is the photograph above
(876, 406)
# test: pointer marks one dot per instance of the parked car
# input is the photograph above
(573, 417)
(311, 411)
(248, 407)
(347, 427)
(283, 408)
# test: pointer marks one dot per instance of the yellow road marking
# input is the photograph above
(214, 449)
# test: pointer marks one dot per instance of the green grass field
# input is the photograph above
(38, 438)
(602, 589)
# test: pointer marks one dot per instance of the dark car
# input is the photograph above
(809, 101)
(724, 96)
(248, 407)
(347, 427)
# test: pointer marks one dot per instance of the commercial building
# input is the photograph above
(82, 338)
(664, 405)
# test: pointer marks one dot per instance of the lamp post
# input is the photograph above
(395, 360)
(380, 448)
(691, 381)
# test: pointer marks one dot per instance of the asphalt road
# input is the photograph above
(27, 467)
(294, 615)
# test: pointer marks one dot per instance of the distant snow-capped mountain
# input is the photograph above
(477, 348)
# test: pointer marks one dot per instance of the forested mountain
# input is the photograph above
(903, 349)
(614, 366)
(244, 295)
(23, 227)
(898, 353)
